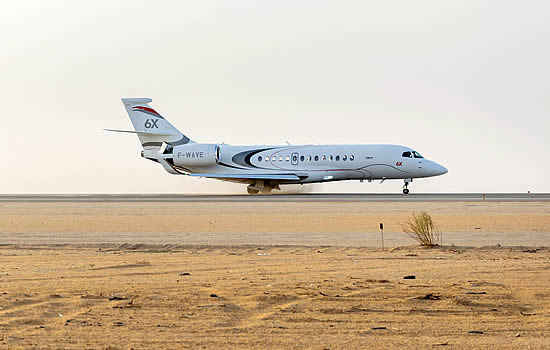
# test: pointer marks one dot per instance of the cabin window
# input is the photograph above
(351, 157)
(324, 157)
(309, 158)
(267, 159)
(280, 158)
(407, 154)
(294, 158)
(344, 157)
(274, 158)
(302, 158)
(287, 158)
(316, 158)
(337, 158)
(330, 158)
(259, 158)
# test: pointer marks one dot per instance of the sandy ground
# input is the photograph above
(272, 275)
(273, 297)
(335, 224)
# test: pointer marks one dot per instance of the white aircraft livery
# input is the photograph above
(265, 168)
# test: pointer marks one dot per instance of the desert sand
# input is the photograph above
(322, 223)
(279, 275)
(273, 297)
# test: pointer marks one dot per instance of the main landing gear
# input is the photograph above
(406, 186)
(262, 186)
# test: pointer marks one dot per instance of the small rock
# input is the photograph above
(410, 277)
(213, 295)
(184, 274)
(429, 296)
(118, 324)
(475, 332)
(518, 335)
(476, 293)
(117, 297)
(377, 328)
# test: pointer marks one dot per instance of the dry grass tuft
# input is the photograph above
(423, 229)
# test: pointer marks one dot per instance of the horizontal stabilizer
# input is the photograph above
(249, 176)
(139, 132)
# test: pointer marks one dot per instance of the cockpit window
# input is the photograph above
(407, 154)
(416, 154)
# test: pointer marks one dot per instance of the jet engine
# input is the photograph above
(196, 155)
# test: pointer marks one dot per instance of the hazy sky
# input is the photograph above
(466, 83)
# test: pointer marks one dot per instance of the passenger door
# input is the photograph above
(294, 158)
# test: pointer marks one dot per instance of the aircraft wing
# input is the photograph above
(239, 178)
(248, 176)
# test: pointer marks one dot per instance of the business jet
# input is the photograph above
(266, 168)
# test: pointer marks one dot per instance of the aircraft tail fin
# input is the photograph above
(151, 128)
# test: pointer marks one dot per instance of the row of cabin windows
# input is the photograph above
(309, 158)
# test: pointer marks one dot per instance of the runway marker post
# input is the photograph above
(382, 234)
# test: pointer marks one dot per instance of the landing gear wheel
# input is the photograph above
(405, 187)
(252, 190)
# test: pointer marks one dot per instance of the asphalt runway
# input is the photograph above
(307, 197)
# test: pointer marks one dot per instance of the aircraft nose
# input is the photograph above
(439, 169)
(433, 169)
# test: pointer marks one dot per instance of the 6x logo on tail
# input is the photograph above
(151, 123)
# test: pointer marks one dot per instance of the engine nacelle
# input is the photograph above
(196, 154)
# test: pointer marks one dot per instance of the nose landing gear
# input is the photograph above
(406, 186)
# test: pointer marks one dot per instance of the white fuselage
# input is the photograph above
(311, 163)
